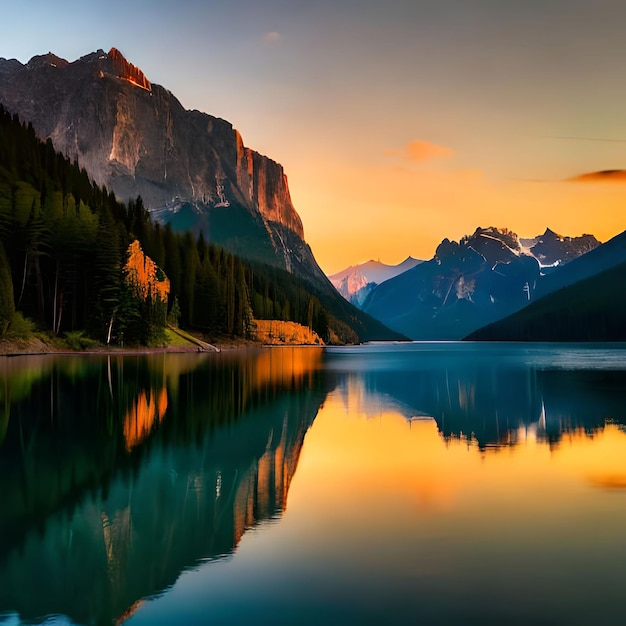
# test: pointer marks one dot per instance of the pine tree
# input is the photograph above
(190, 264)
(7, 304)
(107, 276)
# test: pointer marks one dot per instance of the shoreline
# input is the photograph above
(180, 342)
(38, 347)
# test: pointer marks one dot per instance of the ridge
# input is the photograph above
(127, 71)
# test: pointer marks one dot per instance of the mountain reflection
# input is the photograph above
(118, 473)
(487, 394)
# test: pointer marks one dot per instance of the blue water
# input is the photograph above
(431, 483)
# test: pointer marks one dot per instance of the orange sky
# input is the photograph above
(407, 208)
(398, 123)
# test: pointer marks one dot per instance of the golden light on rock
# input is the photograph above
(127, 71)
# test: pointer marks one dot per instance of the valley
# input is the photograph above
(185, 179)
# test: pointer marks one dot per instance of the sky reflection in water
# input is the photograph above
(430, 483)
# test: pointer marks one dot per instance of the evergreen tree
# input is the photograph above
(7, 304)
(174, 314)
(64, 239)
(107, 276)
(207, 311)
(190, 264)
(172, 262)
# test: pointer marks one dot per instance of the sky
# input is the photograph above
(398, 122)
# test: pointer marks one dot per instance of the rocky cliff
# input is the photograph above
(191, 169)
(127, 71)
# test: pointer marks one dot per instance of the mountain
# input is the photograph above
(593, 309)
(603, 257)
(356, 282)
(64, 242)
(469, 284)
(551, 249)
(191, 169)
(581, 301)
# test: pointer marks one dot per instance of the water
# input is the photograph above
(434, 483)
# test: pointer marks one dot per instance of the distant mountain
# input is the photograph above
(191, 169)
(593, 309)
(581, 301)
(469, 284)
(551, 249)
(355, 282)
(603, 257)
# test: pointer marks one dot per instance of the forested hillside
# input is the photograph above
(64, 249)
(592, 309)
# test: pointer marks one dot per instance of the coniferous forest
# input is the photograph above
(64, 245)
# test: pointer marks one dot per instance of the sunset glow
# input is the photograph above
(398, 123)
(414, 465)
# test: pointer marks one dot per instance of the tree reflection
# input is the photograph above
(120, 473)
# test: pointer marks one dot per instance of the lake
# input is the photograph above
(425, 483)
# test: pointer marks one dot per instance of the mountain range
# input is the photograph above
(582, 301)
(471, 283)
(194, 173)
(192, 170)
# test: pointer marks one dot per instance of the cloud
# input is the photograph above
(610, 481)
(272, 38)
(604, 176)
(421, 151)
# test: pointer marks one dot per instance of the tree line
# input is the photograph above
(63, 255)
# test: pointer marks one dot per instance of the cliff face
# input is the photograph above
(191, 169)
(264, 183)
(127, 71)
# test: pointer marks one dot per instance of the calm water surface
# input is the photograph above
(433, 483)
